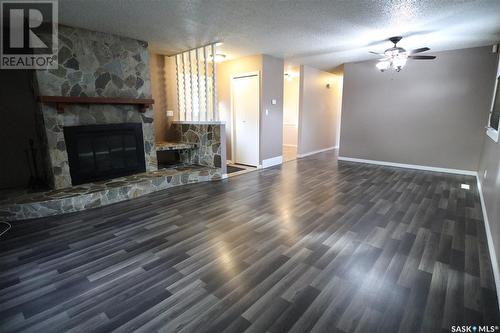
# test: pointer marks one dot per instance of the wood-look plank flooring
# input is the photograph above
(314, 245)
(289, 153)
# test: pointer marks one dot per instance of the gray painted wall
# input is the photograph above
(271, 125)
(318, 110)
(431, 113)
(490, 161)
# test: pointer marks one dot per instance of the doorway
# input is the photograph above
(291, 89)
(245, 106)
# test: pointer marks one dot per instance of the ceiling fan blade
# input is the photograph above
(422, 49)
(375, 53)
(422, 57)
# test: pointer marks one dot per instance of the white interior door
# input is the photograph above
(245, 95)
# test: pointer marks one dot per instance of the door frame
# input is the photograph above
(233, 127)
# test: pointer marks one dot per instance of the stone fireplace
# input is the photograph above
(96, 121)
(93, 64)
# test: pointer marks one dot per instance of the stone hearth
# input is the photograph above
(92, 195)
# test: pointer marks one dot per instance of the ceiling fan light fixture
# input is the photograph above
(383, 65)
(394, 52)
(396, 57)
(399, 62)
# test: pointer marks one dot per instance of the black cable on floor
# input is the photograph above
(7, 229)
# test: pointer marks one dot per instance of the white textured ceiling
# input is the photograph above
(319, 33)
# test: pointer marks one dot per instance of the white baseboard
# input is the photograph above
(315, 152)
(272, 161)
(287, 145)
(491, 248)
(410, 166)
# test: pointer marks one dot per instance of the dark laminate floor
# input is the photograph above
(310, 246)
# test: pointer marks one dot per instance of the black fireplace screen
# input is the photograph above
(99, 152)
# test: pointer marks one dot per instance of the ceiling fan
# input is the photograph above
(396, 56)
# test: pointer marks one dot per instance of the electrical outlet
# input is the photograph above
(170, 113)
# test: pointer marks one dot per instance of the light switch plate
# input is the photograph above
(273, 102)
(170, 113)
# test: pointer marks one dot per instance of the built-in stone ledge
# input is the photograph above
(167, 146)
(199, 122)
(92, 195)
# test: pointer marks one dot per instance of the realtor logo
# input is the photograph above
(29, 34)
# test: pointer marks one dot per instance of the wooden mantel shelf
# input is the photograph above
(61, 101)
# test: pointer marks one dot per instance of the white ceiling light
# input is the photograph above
(289, 75)
(219, 57)
(383, 65)
(399, 61)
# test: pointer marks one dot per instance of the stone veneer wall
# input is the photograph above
(94, 64)
(208, 139)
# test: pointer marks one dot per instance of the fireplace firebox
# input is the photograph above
(100, 152)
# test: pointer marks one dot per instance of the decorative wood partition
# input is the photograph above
(196, 76)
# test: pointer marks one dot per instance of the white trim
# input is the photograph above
(492, 133)
(291, 124)
(315, 152)
(491, 249)
(410, 166)
(272, 162)
(287, 145)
